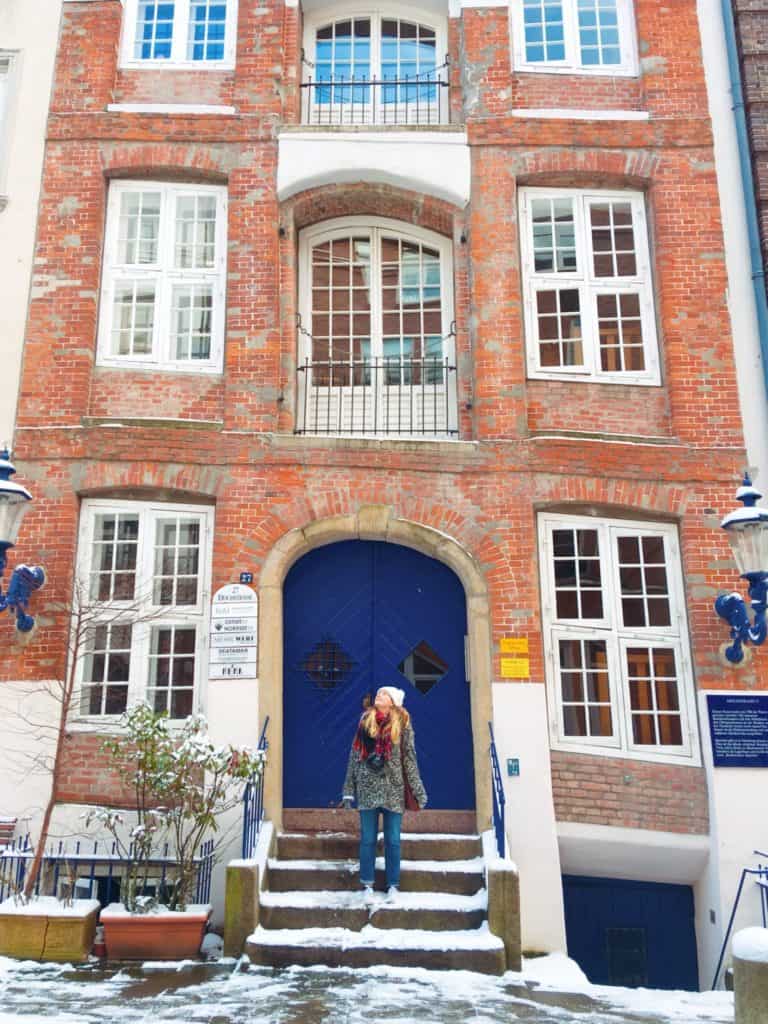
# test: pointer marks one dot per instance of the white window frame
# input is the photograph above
(349, 11)
(571, 64)
(9, 66)
(589, 287)
(179, 43)
(154, 616)
(617, 638)
(166, 276)
(341, 227)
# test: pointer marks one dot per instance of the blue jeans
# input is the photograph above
(369, 827)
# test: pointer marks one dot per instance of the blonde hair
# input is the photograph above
(398, 716)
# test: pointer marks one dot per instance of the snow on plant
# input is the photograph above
(182, 784)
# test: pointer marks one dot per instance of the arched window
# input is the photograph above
(376, 348)
(375, 68)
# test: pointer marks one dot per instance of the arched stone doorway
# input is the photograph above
(377, 523)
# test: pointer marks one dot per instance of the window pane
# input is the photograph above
(191, 322)
(584, 688)
(544, 30)
(207, 24)
(620, 333)
(138, 228)
(133, 318)
(554, 235)
(598, 32)
(558, 322)
(107, 660)
(654, 696)
(176, 562)
(578, 582)
(195, 232)
(172, 670)
(643, 584)
(154, 30)
(108, 555)
(613, 239)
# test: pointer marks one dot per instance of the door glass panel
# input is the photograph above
(341, 312)
(327, 665)
(342, 59)
(423, 667)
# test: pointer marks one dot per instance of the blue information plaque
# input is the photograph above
(738, 724)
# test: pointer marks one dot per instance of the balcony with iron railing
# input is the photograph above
(390, 396)
(412, 100)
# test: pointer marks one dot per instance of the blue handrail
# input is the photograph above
(499, 800)
(253, 802)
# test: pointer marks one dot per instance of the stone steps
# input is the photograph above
(469, 950)
(312, 910)
(350, 910)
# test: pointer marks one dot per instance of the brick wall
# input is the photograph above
(529, 445)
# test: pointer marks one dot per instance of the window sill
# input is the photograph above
(621, 71)
(583, 378)
(165, 368)
(687, 760)
(187, 65)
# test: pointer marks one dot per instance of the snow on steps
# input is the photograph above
(468, 949)
(313, 912)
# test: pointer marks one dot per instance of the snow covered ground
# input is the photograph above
(551, 990)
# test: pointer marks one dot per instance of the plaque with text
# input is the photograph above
(738, 725)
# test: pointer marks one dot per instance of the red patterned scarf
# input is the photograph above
(381, 744)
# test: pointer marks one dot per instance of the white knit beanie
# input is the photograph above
(398, 696)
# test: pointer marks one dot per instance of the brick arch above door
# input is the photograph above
(372, 522)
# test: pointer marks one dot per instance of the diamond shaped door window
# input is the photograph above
(328, 665)
(423, 667)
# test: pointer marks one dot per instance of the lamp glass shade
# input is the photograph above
(749, 542)
(12, 508)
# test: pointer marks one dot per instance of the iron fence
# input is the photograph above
(420, 99)
(253, 803)
(382, 396)
(94, 870)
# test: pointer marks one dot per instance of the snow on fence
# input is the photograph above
(94, 870)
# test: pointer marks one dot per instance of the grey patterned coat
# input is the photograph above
(385, 788)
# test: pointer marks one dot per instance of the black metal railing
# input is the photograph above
(82, 868)
(390, 395)
(417, 99)
(499, 800)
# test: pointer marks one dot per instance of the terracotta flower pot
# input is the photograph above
(161, 935)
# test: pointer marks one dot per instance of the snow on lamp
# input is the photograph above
(747, 531)
(14, 502)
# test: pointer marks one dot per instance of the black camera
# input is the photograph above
(375, 762)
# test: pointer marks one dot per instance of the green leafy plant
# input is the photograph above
(182, 784)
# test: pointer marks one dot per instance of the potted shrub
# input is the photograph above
(183, 784)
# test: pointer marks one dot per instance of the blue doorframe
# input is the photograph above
(364, 614)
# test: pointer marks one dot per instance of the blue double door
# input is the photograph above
(364, 614)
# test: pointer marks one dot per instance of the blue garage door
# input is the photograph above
(631, 933)
(359, 615)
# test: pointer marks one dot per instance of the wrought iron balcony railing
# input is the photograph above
(420, 99)
(388, 396)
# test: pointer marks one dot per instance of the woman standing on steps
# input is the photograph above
(382, 766)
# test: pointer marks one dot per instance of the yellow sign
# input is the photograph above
(515, 668)
(513, 645)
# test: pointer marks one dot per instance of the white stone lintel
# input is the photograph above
(417, 161)
(209, 109)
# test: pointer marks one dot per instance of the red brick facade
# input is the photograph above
(670, 453)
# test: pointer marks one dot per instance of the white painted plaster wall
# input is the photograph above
(28, 715)
(433, 162)
(520, 726)
(741, 298)
(31, 31)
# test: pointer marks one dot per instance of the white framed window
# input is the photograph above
(376, 352)
(179, 33)
(164, 277)
(385, 65)
(588, 288)
(619, 674)
(595, 37)
(143, 574)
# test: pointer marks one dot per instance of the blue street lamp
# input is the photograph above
(14, 501)
(747, 530)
